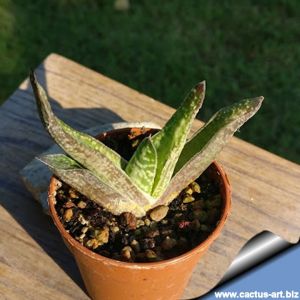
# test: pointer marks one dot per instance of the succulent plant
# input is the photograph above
(160, 168)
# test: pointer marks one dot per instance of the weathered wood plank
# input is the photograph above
(34, 262)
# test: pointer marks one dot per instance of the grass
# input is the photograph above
(162, 48)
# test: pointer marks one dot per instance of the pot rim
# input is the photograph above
(136, 265)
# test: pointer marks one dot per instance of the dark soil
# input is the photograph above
(190, 219)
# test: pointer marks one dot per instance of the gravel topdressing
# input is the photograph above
(165, 232)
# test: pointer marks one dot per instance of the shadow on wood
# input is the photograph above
(19, 147)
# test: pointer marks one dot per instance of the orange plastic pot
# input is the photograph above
(109, 279)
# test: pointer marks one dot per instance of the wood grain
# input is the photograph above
(34, 263)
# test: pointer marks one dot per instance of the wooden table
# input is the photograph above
(34, 263)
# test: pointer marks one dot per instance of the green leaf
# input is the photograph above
(142, 166)
(103, 162)
(168, 144)
(56, 127)
(170, 141)
(94, 144)
(205, 145)
(69, 171)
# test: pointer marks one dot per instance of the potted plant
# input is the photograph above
(138, 207)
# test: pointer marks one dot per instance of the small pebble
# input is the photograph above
(152, 233)
(135, 246)
(81, 204)
(168, 243)
(150, 254)
(178, 215)
(147, 222)
(184, 207)
(68, 214)
(82, 220)
(101, 235)
(188, 191)
(126, 253)
(159, 212)
(139, 223)
(73, 194)
(82, 236)
(128, 219)
(84, 229)
(195, 187)
(69, 204)
(188, 199)
(115, 229)
(92, 243)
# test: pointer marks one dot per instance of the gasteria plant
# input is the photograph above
(161, 167)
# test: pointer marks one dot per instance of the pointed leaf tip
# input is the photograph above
(32, 76)
(200, 87)
(33, 81)
(43, 105)
(103, 162)
(256, 102)
(199, 152)
(168, 143)
(260, 99)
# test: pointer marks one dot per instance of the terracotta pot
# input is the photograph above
(109, 279)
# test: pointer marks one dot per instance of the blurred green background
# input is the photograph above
(162, 48)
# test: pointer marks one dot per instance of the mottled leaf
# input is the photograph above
(69, 171)
(142, 166)
(103, 162)
(170, 140)
(200, 151)
(168, 144)
(51, 122)
(94, 144)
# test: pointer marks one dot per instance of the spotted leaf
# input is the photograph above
(103, 162)
(142, 166)
(168, 144)
(70, 172)
(200, 151)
